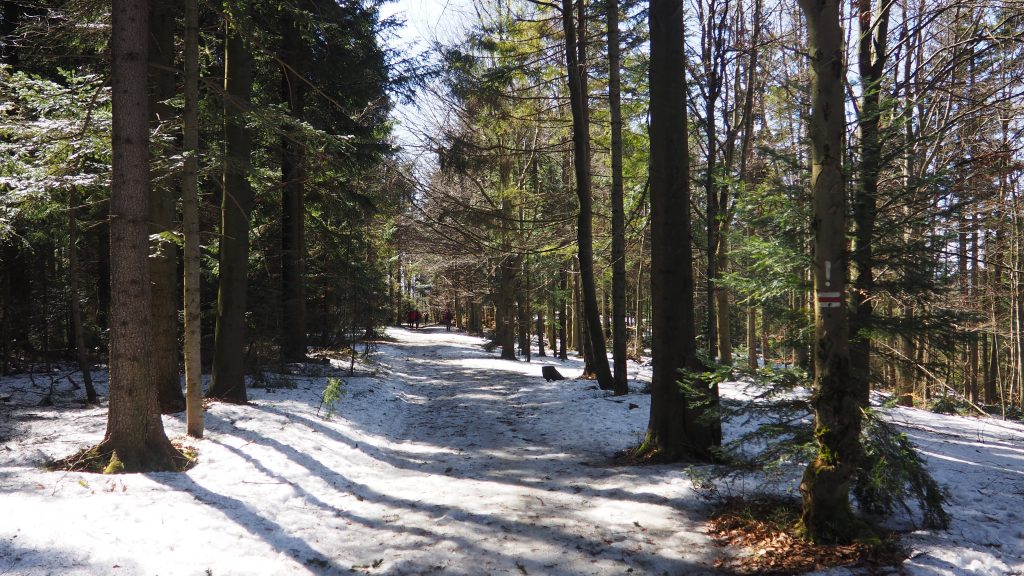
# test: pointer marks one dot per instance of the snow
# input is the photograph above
(981, 461)
(439, 458)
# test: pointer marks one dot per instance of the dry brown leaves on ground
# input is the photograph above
(762, 533)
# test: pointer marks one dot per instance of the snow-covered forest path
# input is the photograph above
(519, 471)
(440, 458)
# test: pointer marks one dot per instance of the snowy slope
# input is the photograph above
(441, 458)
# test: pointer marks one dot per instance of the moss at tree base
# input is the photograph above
(115, 466)
(827, 516)
(103, 459)
(654, 451)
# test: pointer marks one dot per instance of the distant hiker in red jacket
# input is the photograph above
(416, 317)
(447, 319)
(410, 317)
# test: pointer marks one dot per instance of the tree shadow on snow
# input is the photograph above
(16, 559)
(483, 527)
(245, 515)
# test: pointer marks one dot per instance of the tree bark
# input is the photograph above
(906, 380)
(540, 334)
(827, 516)
(682, 424)
(617, 201)
(74, 279)
(163, 260)
(103, 273)
(506, 307)
(746, 144)
(135, 435)
(576, 67)
(973, 291)
(293, 176)
(638, 311)
(551, 325)
(229, 340)
(5, 314)
(722, 313)
(523, 323)
(509, 269)
(712, 54)
(872, 53)
(563, 288)
(992, 381)
(190, 227)
(752, 338)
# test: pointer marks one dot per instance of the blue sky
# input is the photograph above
(425, 20)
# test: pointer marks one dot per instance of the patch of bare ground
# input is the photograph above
(761, 535)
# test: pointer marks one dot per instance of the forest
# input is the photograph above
(772, 243)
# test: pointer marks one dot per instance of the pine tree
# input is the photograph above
(236, 206)
(683, 422)
(293, 245)
(618, 211)
(135, 438)
(163, 263)
(576, 69)
(827, 515)
(190, 226)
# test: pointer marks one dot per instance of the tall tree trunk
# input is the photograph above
(576, 67)
(540, 333)
(872, 53)
(765, 345)
(638, 312)
(229, 341)
(963, 267)
(19, 286)
(293, 175)
(5, 320)
(523, 322)
(563, 289)
(606, 313)
(190, 227)
(827, 516)
(972, 337)
(711, 53)
(617, 200)
(456, 310)
(505, 314)
(906, 380)
(509, 269)
(575, 322)
(722, 314)
(135, 436)
(44, 260)
(103, 283)
(682, 424)
(474, 317)
(752, 338)
(74, 279)
(551, 323)
(746, 146)
(163, 261)
(992, 378)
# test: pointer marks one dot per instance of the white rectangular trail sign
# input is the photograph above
(829, 299)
